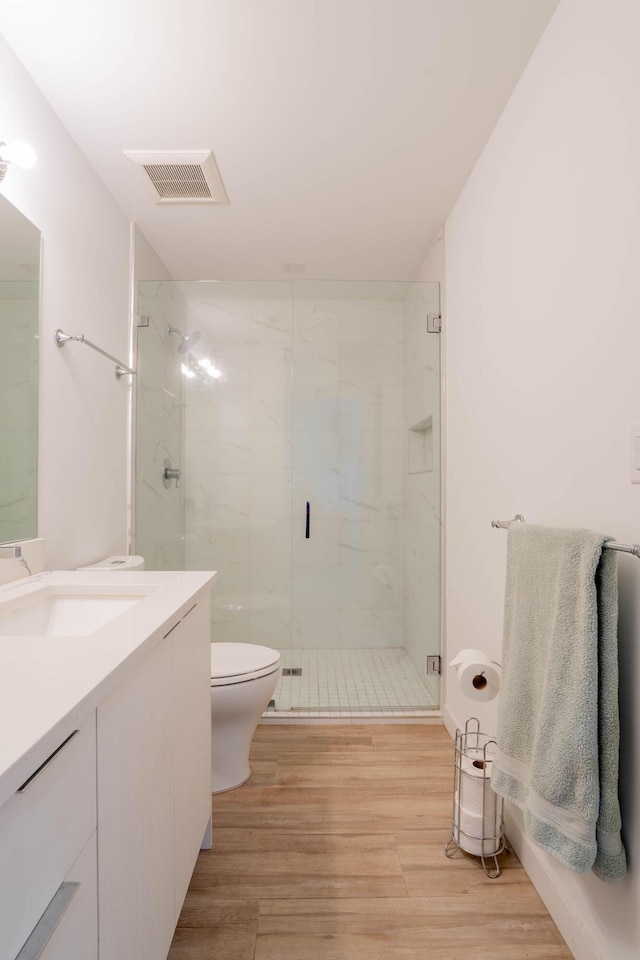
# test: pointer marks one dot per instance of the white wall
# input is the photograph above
(85, 289)
(543, 342)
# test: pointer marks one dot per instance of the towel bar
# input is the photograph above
(121, 368)
(633, 548)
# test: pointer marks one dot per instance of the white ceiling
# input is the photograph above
(344, 130)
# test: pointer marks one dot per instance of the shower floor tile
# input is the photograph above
(378, 682)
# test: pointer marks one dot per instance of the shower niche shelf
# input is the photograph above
(421, 446)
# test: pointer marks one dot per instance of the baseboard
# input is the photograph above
(577, 934)
(449, 721)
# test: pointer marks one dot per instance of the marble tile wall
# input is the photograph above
(348, 461)
(309, 408)
(18, 410)
(422, 485)
(238, 465)
(159, 511)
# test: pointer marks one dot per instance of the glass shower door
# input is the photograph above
(363, 538)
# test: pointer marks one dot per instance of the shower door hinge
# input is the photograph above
(434, 323)
(434, 666)
(142, 320)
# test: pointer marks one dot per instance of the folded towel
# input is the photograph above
(558, 727)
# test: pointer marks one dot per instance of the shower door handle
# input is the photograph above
(307, 529)
(169, 473)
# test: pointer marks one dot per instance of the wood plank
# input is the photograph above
(233, 941)
(487, 900)
(504, 939)
(386, 808)
(202, 910)
(307, 885)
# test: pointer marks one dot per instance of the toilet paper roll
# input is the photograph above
(475, 789)
(474, 833)
(478, 677)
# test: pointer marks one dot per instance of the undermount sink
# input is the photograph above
(60, 612)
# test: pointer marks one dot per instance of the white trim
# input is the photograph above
(578, 935)
(449, 721)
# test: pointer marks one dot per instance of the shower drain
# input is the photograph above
(292, 671)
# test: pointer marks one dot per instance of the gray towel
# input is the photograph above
(558, 728)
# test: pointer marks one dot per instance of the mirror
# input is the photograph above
(19, 303)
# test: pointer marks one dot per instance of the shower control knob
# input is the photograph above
(169, 473)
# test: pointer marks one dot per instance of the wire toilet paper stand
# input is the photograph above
(477, 825)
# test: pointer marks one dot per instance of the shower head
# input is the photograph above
(187, 340)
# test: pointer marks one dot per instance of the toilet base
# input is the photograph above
(236, 709)
(229, 789)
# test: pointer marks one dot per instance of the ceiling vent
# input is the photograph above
(180, 176)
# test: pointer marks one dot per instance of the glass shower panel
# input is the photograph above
(422, 491)
(158, 503)
(238, 455)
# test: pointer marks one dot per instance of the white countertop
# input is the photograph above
(49, 685)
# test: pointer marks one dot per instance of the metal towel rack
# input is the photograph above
(121, 368)
(633, 548)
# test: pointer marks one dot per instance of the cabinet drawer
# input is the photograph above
(43, 829)
(68, 929)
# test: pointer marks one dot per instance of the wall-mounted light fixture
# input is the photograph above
(18, 152)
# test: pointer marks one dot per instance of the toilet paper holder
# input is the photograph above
(477, 825)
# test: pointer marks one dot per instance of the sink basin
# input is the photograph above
(56, 612)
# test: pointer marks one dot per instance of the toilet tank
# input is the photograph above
(117, 563)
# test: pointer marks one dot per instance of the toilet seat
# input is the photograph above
(240, 662)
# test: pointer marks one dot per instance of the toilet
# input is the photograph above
(125, 563)
(243, 681)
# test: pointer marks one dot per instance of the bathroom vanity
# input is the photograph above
(105, 793)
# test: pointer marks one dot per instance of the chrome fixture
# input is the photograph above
(504, 524)
(169, 473)
(121, 368)
(633, 548)
(187, 339)
(14, 553)
(17, 152)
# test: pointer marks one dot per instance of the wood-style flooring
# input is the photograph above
(333, 850)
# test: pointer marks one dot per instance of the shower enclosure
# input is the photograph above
(287, 435)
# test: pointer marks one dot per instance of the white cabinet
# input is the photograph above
(154, 795)
(98, 845)
(191, 744)
(135, 833)
(76, 935)
(44, 828)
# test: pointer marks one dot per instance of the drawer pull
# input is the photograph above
(41, 933)
(177, 624)
(36, 773)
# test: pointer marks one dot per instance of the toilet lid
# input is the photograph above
(237, 662)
